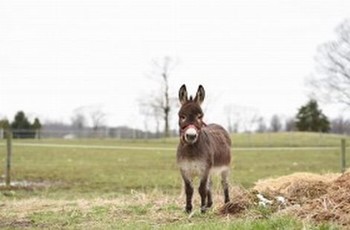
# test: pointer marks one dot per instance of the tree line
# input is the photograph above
(22, 127)
(309, 118)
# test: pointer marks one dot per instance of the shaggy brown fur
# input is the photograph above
(202, 150)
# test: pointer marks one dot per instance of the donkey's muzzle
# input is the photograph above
(191, 134)
(191, 137)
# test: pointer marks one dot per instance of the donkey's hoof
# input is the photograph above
(188, 209)
(203, 209)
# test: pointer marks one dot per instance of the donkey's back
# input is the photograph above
(220, 143)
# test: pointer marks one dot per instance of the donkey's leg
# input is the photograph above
(225, 185)
(203, 191)
(209, 197)
(189, 194)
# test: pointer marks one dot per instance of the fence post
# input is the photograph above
(8, 158)
(343, 159)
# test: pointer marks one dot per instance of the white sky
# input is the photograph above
(58, 55)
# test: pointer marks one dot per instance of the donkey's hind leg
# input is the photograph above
(209, 196)
(225, 184)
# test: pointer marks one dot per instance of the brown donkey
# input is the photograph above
(202, 150)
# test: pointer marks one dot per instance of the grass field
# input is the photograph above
(113, 184)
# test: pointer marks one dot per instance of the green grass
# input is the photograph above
(92, 188)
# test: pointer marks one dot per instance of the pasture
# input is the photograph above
(114, 184)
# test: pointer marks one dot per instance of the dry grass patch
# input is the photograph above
(320, 198)
(152, 208)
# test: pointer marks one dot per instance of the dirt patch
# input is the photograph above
(312, 197)
(241, 202)
(29, 185)
(16, 224)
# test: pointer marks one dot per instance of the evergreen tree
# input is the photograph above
(21, 121)
(37, 128)
(311, 118)
(36, 125)
(21, 126)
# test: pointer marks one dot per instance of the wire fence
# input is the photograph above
(338, 144)
(119, 133)
(253, 140)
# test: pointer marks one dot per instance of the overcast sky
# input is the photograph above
(56, 56)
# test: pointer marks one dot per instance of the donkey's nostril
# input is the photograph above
(191, 136)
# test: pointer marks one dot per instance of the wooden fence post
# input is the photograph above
(343, 155)
(8, 158)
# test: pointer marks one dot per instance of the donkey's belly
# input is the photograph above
(219, 170)
(192, 168)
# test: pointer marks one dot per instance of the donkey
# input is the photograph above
(202, 150)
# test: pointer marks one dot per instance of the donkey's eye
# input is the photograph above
(200, 116)
(182, 118)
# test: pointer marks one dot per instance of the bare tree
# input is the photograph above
(241, 117)
(275, 123)
(232, 124)
(78, 120)
(290, 125)
(97, 119)
(261, 125)
(161, 102)
(150, 109)
(340, 125)
(332, 80)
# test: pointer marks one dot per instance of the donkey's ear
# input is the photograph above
(183, 94)
(200, 95)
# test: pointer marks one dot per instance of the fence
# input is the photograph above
(8, 157)
(9, 135)
(120, 133)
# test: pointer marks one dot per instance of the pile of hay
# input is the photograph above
(296, 188)
(332, 206)
(313, 197)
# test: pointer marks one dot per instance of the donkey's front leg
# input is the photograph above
(203, 192)
(189, 194)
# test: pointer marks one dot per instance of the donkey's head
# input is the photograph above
(190, 114)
